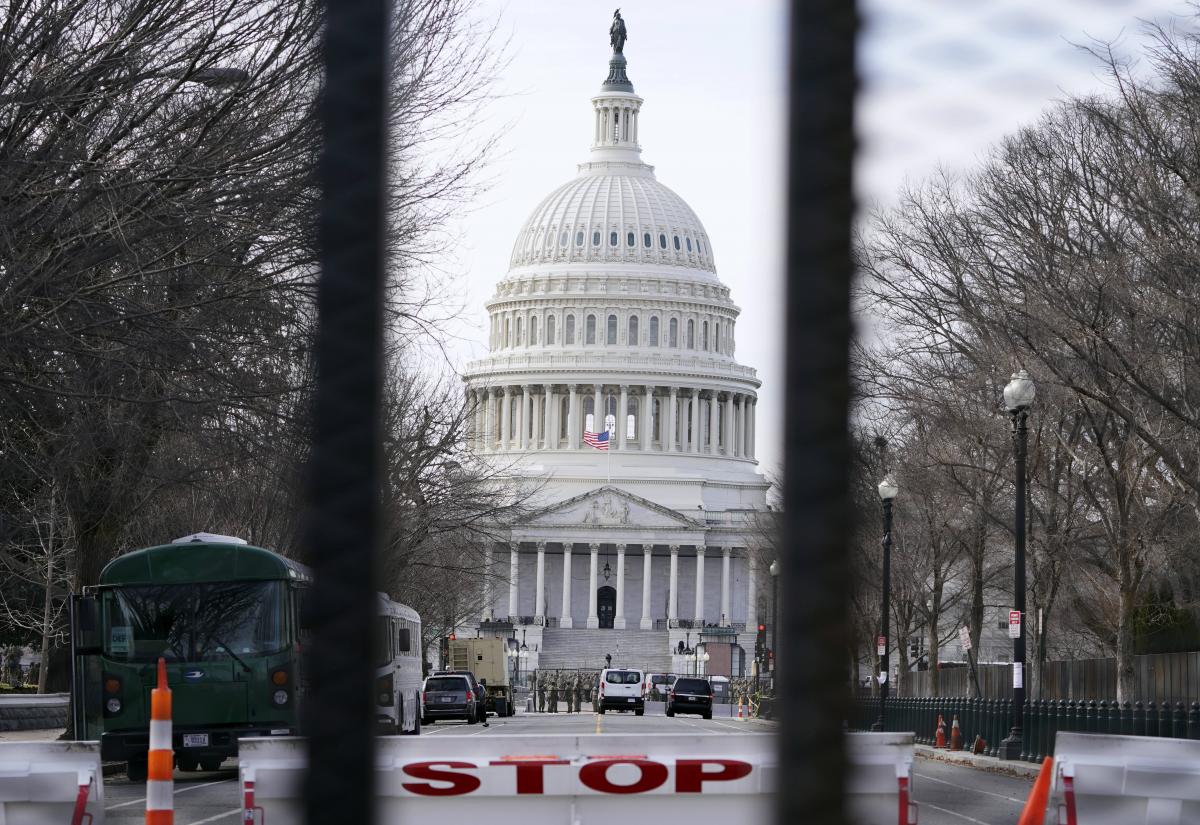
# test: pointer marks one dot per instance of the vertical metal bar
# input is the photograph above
(885, 666)
(344, 472)
(815, 637)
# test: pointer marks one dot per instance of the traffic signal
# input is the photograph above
(760, 641)
(453, 637)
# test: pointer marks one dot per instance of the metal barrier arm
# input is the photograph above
(86, 777)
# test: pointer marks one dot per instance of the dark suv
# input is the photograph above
(453, 696)
(689, 695)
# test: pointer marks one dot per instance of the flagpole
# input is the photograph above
(610, 450)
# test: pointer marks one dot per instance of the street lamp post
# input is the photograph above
(1018, 396)
(887, 492)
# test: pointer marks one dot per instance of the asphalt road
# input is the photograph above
(947, 794)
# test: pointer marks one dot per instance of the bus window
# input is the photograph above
(383, 641)
(403, 640)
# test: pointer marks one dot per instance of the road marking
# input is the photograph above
(971, 790)
(952, 813)
(177, 790)
(216, 817)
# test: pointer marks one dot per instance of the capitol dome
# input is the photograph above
(612, 382)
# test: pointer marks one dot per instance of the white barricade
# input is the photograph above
(50, 783)
(879, 785)
(1125, 780)
(535, 780)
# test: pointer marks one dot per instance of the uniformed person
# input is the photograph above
(578, 692)
(539, 691)
(554, 692)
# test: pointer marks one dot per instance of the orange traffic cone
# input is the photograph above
(740, 708)
(955, 735)
(939, 738)
(1035, 806)
(160, 800)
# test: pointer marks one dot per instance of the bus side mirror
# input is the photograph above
(85, 626)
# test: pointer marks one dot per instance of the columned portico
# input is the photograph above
(619, 617)
(593, 619)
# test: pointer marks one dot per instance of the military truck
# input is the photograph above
(488, 660)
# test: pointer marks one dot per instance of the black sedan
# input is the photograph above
(690, 696)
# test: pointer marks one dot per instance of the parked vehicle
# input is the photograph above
(398, 668)
(451, 696)
(487, 660)
(656, 682)
(621, 689)
(690, 695)
(477, 687)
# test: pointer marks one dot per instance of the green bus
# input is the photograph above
(226, 617)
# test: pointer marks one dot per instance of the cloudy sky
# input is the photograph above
(942, 79)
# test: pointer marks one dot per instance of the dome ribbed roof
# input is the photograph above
(579, 221)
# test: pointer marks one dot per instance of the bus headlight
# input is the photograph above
(280, 697)
(113, 705)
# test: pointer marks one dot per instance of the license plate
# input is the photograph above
(631, 699)
(195, 740)
(447, 698)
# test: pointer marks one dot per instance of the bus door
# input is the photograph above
(86, 666)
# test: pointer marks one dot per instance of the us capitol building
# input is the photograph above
(612, 303)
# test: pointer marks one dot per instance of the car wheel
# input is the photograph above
(639, 712)
(670, 712)
(472, 718)
(708, 715)
(425, 720)
(186, 764)
(136, 769)
(212, 764)
(602, 710)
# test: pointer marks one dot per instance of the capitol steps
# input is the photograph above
(583, 649)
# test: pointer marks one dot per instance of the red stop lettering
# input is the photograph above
(595, 775)
(460, 783)
(690, 773)
(529, 772)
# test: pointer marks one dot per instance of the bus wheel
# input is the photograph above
(135, 769)
(416, 731)
(188, 764)
(213, 764)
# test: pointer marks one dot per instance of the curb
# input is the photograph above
(1025, 770)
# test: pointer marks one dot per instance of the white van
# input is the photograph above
(621, 689)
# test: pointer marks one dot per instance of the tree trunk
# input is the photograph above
(975, 619)
(1126, 677)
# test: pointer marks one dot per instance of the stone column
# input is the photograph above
(594, 552)
(523, 419)
(647, 622)
(598, 410)
(752, 594)
(694, 446)
(647, 418)
(739, 425)
(729, 423)
(673, 592)
(549, 430)
(752, 427)
(506, 418)
(671, 420)
(619, 616)
(572, 419)
(536, 419)
(564, 617)
(539, 598)
(488, 596)
(713, 422)
(700, 583)
(725, 617)
(489, 421)
(514, 566)
(622, 414)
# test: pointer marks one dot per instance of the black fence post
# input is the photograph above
(1091, 717)
(1138, 725)
(998, 726)
(1193, 723)
(1102, 717)
(1114, 717)
(1164, 720)
(1047, 741)
(1180, 720)
(1126, 728)
(1151, 728)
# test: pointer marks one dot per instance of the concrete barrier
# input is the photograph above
(1125, 780)
(33, 711)
(536, 780)
(50, 783)
(879, 785)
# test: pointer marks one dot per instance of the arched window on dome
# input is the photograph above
(653, 338)
(550, 329)
(550, 240)
(646, 241)
(590, 330)
(689, 244)
(630, 239)
(563, 238)
(717, 336)
(507, 333)
(579, 238)
(533, 331)
(611, 331)
(676, 243)
(691, 339)
(704, 336)
(596, 238)
(569, 331)
(632, 338)
(517, 341)
(673, 334)
(612, 238)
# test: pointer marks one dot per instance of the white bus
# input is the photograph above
(398, 668)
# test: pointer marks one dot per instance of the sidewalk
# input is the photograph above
(40, 735)
(983, 763)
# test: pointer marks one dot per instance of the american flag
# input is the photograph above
(597, 440)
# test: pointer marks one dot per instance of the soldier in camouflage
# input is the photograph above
(554, 677)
